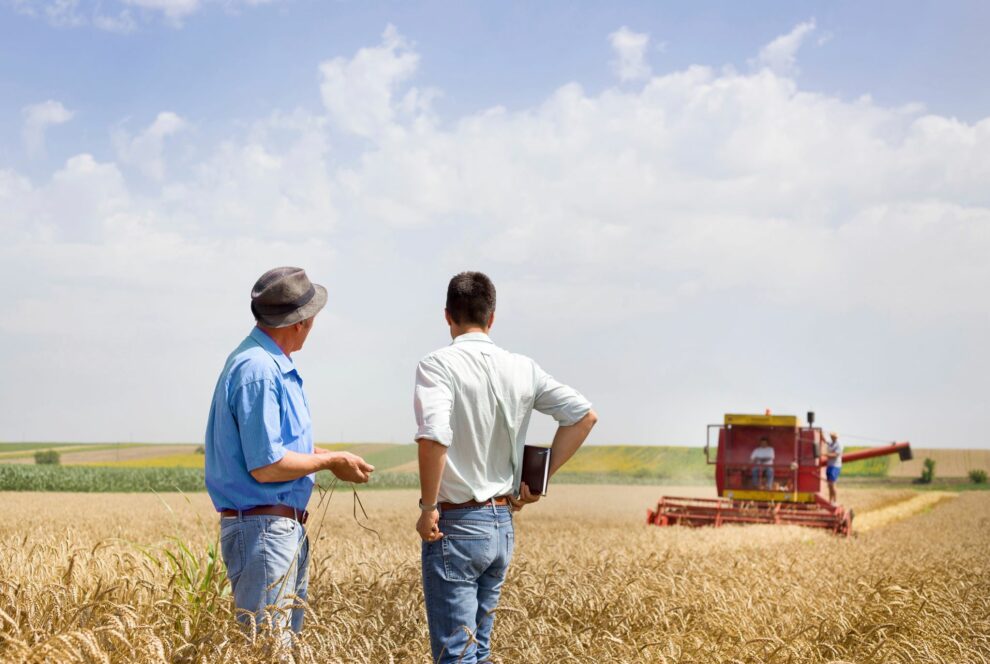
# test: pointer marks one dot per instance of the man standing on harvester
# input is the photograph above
(833, 452)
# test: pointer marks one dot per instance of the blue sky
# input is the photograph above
(688, 208)
(223, 64)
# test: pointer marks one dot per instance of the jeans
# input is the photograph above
(462, 580)
(767, 474)
(267, 560)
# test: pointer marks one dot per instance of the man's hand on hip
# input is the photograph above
(428, 526)
(348, 467)
(524, 498)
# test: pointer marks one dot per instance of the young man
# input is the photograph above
(833, 452)
(473, 402)
(260, 458)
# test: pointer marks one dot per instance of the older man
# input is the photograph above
(260, 459)
(473, 403)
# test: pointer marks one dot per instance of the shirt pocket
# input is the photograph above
(295, 421)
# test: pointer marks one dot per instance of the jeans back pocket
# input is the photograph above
(469, 548)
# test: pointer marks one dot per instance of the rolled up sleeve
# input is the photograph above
(433, 401)
(258, 412)
(563, 403)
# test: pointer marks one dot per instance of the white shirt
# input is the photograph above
(762, 456)
(835, 447)
(458, 389)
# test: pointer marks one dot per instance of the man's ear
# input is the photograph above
(446, 315)
(491, 320)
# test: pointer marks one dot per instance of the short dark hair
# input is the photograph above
(471, 298)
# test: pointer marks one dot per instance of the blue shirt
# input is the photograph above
(259, 411)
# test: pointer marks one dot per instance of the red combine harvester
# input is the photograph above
(790, 494)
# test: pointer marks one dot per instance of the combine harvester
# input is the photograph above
(798, 475)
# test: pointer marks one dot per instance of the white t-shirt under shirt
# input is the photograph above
(762, 456)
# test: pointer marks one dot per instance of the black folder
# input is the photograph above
(536, 469)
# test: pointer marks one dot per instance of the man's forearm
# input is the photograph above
(293, 466)
(567, 440)
(432, 458)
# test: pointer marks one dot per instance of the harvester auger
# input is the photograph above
(748, 493)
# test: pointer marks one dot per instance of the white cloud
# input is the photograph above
(360, 93)
(712, 181)
(630, 50)
(173, 10)
(145, 151)
(37, 119)
(780, 54)
(696, 206)
(274, 183)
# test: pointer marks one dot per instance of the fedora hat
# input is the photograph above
(284, 296)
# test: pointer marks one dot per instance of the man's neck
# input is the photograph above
(459, 330)
(280, 338)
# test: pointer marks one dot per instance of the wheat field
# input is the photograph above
(128, 578)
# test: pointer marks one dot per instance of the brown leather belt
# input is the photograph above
(497, 500)
(271, 510)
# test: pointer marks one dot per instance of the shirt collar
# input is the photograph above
(284, 362)
(473, 336)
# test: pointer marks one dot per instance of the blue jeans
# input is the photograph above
(767, 473)
(462, 580)
(267, 560)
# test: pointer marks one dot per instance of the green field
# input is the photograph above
(643, 462)
(144, 467)
(591, 463)
(103, 479)
(875, 467)
(99, 479)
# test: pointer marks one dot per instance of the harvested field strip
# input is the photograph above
(27, 453)
(191, 460)
(7, 448)
(900, 510)
(948, 463)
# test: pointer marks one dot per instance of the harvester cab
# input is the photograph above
(768, 469)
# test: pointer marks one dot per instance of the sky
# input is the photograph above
(687, 209)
